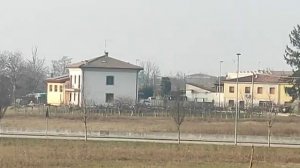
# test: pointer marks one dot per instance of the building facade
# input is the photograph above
(56, 90)
(257, 90)
(102, 80)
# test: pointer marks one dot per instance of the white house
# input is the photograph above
(102, 80)
(200, 93)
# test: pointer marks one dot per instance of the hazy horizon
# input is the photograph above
(189, 36)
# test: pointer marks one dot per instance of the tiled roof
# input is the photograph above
(104, 62)
(203, 81)
(263, 78)
(211, 89)
(59, 79)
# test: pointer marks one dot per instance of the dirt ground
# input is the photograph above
(283, 126)
(29, 153)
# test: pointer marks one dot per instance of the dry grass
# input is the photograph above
(60, 153)
(283, 126)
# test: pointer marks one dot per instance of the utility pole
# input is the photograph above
(252, 90)
(237, 99)
(219, 89)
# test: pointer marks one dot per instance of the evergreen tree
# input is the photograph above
(292, 58)
(165, 86)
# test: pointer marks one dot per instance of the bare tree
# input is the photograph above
(59, 66)
(178, 111)
(4, 98)
(271, 116)
(13, 66)
(36, 71)
(147, 77)
(84, 117)
(178, 115)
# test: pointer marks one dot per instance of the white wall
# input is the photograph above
(95, 87)
(202, 95)
(75, 85)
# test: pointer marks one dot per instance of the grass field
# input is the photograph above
(63, 153)
(283, 126)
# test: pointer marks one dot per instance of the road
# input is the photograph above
(173, 141)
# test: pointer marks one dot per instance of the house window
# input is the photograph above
(75, 79)
(109, 97)
(247, 89)
(50, 88)
(60, 88)
(74, 96)
(109, 80)
(231, 103)
(272, 90)
(231, 89)
(259, 90)
(71, 80)
(55, 88)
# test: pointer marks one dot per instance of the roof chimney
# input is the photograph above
(106, 53)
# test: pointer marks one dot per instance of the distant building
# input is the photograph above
(102, 80)
(204, 88)
(56, 90)
(257, 89)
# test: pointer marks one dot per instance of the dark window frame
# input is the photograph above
(110, 80)
(231, 89)
(272, 90)
(259, 90)
(247, 89)
(109, 97)
(231, 103)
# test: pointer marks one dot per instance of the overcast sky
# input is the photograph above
(189, 36)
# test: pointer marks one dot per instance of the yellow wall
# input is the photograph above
(283, 96)
(279, 97)
(55, 97)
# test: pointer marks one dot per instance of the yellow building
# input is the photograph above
(257, 90)
(56, 90)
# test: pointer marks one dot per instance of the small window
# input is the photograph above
(109, 80)
(259, 90)
(231, 89)
(247, 89)
(50, 88)
(272, 90)
(55, 88)
(231, 103)
(74, 96)
(60, 88)
(75, 79)
(109, 97)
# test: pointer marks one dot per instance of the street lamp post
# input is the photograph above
(219, 89)
(237, 99)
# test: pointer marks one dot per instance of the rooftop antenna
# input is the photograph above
(104, 45)
(105, 51)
